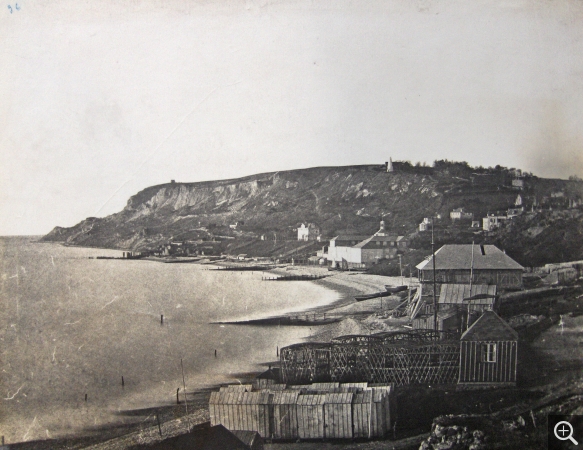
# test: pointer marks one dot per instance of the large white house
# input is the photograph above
(362, 251)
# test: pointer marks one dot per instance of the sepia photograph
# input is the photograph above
(291, 224)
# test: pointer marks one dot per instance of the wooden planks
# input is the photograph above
(473, 368)
(310, 412)
(285, 419)
(292, 414)
(362, 414)
(338, 415)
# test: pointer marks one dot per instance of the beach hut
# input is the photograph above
(338, 415)
(383, 409)
(488, 353)
(310, 412)
(242, 411)
(285, 418)
(361, 414)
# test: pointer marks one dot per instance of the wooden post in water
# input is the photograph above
(122, 382)
(159, 427)
(161, 319)
(85, 397)
(177, 398)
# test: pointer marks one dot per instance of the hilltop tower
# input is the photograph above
(389, 165)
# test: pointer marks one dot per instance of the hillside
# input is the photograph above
(336, 199)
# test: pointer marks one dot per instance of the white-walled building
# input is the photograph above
(362, 251)
(310, 232)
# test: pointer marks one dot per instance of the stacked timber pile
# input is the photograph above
(313, 411)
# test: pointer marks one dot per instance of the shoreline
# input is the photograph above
(134, 426)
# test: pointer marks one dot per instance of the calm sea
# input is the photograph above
(71, 326)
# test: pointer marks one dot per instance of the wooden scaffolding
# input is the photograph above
(413, 357)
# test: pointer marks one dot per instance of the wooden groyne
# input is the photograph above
(243, 268)
(309, 319)
(295, 278)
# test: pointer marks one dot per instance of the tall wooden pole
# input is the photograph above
(185, 399)
(434, 283)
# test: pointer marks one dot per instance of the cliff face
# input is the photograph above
(335, 198)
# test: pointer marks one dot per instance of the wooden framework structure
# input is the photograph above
(413, 357)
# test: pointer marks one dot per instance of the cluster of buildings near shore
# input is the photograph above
(345, 388)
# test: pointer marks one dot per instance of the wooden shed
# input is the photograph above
(285, 418)
(488, 353)
(383, 410)
(266, 379)
(338, 415)
(242, 411)
(310, 411)
(362, 414)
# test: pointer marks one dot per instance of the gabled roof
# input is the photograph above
(349, 237)
(213, 438)
(459, 256)
(490, 327)
(270, 374)
(376, 238)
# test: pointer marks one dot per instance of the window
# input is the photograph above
(489, 353)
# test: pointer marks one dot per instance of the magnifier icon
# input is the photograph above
(565, 432)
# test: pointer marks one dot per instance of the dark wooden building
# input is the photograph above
(488, 353)
(475, 264)
(210, 438)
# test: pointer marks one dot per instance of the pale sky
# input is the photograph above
(101, 99)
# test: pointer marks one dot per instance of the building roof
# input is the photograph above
(456, 293)
(349, 237)
(270, 374)
(490, 327)
(249, 438)
(377, 238)
(213, 438)
(459, 256)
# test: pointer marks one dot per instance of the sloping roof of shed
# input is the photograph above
(455, 293)
(376, 238)
(213, 438)
(490, 327)
(345, 397)
(285, 398)
(247, 437)
(270, 374)
(459, 256)
(311, 399)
